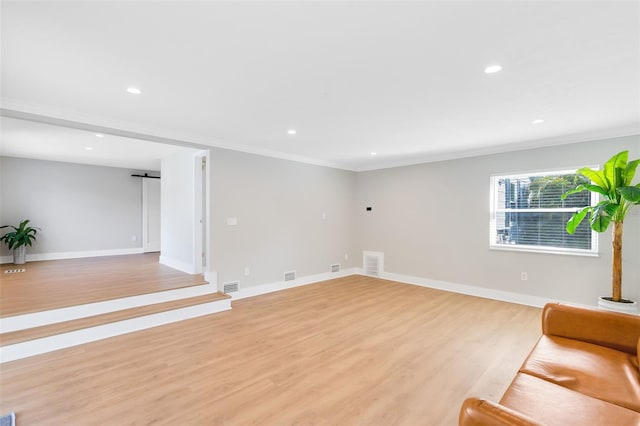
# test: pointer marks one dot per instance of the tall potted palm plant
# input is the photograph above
(618, 196)
(18, 240)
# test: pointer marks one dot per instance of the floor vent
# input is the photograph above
(373, 263)
(14, 271)
(231, 287)
(290, 276)
(335, 267)
(8, 420)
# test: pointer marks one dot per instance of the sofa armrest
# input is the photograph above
(611, 329)
(480, 412)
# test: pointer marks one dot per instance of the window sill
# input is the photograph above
(546, 250)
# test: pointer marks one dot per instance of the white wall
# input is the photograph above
(279, 207)
(78, 207)
(432, 221)
(151, 215)
(178, 210)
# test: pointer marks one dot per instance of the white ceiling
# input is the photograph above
(403, 79)
(27, 139)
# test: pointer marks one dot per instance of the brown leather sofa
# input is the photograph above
(583, 371)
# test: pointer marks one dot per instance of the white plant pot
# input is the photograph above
(627, 308)
(20, 255)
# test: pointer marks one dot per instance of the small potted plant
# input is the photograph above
(618, 197)
(18, 240)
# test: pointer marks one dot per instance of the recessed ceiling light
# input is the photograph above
(492, 69)
(537, 121)
(88, 148)
(373, 154)
(99, 135)
(134, 90)
(291, 132)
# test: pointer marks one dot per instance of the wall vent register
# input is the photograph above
(373, 263)
(231, 287)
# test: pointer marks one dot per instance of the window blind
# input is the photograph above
(529, 213)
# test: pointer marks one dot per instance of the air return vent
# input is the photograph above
(290, 276)
(335, 267)
(230, 287)
(13, 271)
(373, 263)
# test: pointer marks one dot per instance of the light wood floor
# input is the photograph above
(351, 351)
(13, 337)
(61, 283)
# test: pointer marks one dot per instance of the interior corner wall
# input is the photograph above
(79, 208)
(177, 211)
(279, 207)
(432, 221)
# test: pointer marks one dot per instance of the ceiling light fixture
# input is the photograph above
(291, 132)
(134, 90)
(88, 148)
(373, 154)
(99, 135)
(492, 69)
(537, 121)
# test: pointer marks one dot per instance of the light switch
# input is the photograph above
(232, 221)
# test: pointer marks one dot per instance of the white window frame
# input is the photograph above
(493, 245)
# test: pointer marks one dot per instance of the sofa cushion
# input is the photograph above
(551, 405)
(596, 371)
(604, 328)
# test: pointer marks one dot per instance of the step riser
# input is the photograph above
(37, 319)
(87, 335)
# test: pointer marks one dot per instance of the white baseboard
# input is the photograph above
(151, 247)
(36, 319)
(283, 285)
(487, 293)
(177, 264)
(74, 254)
(86, 335)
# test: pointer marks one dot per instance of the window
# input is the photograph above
(527, 213)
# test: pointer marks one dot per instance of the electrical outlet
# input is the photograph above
(524, 276)
(134, 238)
